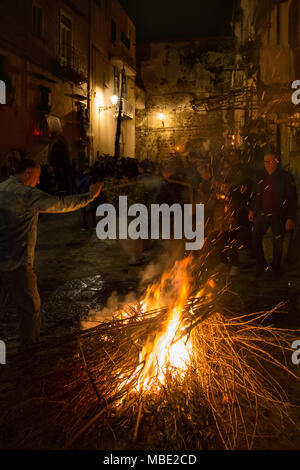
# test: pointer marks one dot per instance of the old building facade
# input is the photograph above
(60, 62)
(206, 94)
(268, 40)
(113, 49)
(184, 82)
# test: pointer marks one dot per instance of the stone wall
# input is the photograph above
(175, 74)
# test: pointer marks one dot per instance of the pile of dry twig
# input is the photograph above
(81, 391)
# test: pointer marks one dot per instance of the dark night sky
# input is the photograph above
(175, 19)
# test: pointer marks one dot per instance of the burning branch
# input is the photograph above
(175, 347)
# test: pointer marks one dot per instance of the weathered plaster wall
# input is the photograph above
(31, 62)
(174, 74)
(108, 53)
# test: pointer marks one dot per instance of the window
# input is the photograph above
(65, 40)
(293, 27)
(2, 92)
(113, 31)
(5, 81)
(278, 21)
(37, 19)
(116, 81)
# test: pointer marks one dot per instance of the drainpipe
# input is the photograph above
(118, 131)
(89, 69)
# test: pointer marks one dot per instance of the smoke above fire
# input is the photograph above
(149, 275)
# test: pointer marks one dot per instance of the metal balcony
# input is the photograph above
(127, 110)
(71, 65)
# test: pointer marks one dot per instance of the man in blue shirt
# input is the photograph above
(20, 204)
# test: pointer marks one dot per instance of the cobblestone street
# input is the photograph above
(78, 273)
(172, 129)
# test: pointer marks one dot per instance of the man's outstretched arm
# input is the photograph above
(43, 202)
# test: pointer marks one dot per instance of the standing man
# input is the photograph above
(20, 204)
(274, 205)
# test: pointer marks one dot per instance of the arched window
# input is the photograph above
(2, 92)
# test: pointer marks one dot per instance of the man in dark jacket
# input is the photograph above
(274, 205)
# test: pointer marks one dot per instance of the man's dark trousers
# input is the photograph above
(21, 284)
(261, 224)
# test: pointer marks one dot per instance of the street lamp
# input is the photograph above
(231, 138)
(161, 117)
(114, 99)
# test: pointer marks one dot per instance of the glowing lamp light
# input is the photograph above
(161, 116)
(231, 138)
(114, 99)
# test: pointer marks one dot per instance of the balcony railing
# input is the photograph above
(127, 110)
(71, 64)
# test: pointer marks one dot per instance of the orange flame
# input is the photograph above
(167, 352)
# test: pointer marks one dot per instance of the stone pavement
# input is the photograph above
(78, 273)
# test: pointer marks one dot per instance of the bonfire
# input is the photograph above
(180, 353)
